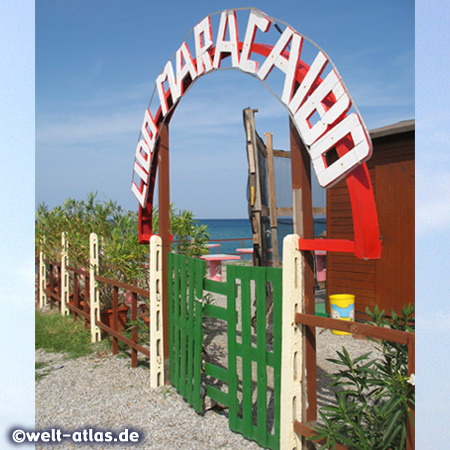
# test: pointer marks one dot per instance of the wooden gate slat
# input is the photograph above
(186, 284)
(261, 345)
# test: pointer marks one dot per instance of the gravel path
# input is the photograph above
(102, 391)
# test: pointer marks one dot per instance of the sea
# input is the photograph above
(241, 228)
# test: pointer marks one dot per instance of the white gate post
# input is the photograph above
(42, 277)
(156, 311)
(64, 275)
(292, 344)
(94, 294)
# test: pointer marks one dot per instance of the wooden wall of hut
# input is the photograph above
(389, 281)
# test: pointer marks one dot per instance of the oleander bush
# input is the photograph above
(121, 257)
(373, 394)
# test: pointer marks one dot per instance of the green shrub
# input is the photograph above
(189, 237)
(121, 257)
(373, 394)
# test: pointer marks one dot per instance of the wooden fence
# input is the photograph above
(294, 379)
(81, 294)
(72, 289)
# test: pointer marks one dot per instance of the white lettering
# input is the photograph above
(149, 135)
(311, 76)
(184, 69)
(203, 42)
(140, 193)
(318, 107)
(227, 18)
(167, 73)
(143, 156)
(361, 150)
(288, 66)
(143, 174)
(331, 85)
(255, 20)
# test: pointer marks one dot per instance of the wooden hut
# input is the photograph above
(389, 281)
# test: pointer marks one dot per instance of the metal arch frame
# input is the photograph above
(366, 243)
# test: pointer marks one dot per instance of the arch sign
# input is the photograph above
(306, 82)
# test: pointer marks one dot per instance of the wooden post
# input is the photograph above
(64, 276)
(42, 277)
(292, 373)
(272, 199)
(115, 308)
(156, 326)
(304, 227)
(134, 336)
(94, 294)
(76, 294)
(164, 223)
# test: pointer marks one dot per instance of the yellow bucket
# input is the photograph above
(342, 307)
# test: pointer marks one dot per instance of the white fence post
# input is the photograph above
(94, 294)
(156, 322)
(292, 344)
(64, 275)
(42, 277)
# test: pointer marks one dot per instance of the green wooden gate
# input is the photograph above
(252, 352)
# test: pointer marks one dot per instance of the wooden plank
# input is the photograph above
(272, 199)
(362, 329)
(232, 348)
(260, 143)
(261, 346)
(344, 218)
(190, 331)
(250, 146)
(217, 395)
(275, 276)
(247, 411)
(354, 276)
(367, 269)
(281, 154)
(345, 258)
(282, 211)
(319, 211)
(341, 206)
(198, 343)
(175, 377)
(183, 326)
(342, 232)
(119, 284)
(217, 372)
(352, 285)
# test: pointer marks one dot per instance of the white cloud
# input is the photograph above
(86, 128)
(127, 95)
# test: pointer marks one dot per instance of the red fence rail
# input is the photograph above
(79, 305)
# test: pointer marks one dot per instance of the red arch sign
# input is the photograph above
(319, 105)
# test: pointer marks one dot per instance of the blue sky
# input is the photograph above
(96, 67)
(432, 221)
(96, 63)
(17, 211)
